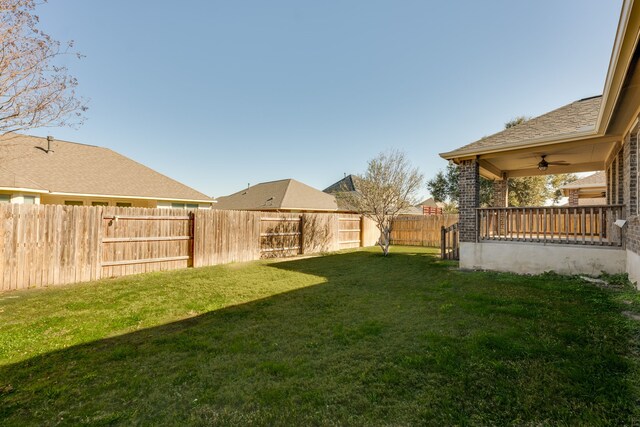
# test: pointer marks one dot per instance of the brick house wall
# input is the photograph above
(622, 186)
(620, 177)
(630, 155)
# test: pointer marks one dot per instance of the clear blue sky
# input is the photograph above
(220, 94)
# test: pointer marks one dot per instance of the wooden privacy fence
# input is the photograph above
(285, 235)
(133, 243)
(281, 236)
(53, 244)
(586, 225)
(420, 230)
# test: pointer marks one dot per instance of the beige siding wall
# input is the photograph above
(163, 204)
(595, 201)
(18, 197)
(48, 199)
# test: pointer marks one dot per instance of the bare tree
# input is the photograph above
(34, 91)
(388, 186)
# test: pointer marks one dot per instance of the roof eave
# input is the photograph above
(24, 189)
(621, 56)
(532, 143)
(117, 196)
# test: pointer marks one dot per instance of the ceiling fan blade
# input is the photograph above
(560, 163)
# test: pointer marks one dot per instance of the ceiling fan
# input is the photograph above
(543, 164)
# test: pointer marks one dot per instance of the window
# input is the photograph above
(123, 204)
(73, 203)
(99, 203)
(184, 206)
(29, 200)
(5, 198)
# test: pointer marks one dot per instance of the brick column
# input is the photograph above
(573, 197)
(469, 185)
(500, 193)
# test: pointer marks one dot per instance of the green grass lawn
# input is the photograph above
(344, 339)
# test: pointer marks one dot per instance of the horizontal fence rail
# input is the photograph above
(139, 241)
(579, 225)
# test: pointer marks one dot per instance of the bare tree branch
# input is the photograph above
(34, 91)
(388, 186)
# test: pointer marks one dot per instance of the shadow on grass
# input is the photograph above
(397, 340)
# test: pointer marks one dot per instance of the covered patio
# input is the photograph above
(534, 239)
(597, 133)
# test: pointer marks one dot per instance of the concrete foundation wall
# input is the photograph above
(633, 267)
(526, 258)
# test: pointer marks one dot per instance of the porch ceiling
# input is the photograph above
(579, 156)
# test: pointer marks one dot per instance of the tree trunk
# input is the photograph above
(385, 240)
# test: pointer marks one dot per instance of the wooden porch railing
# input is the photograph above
(584, 225)
(449, 244)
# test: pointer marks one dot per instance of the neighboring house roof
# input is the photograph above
(286, 194)
(348, 183)
(575, 118)
(72, 168)
(411, 210)
(596, 180)
(590, 187)
(430, 202)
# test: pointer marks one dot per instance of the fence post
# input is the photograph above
(443, 244)
(192, 240)
(456, 247)
(361, 231)
(301, 243)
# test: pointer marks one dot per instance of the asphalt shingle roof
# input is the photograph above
(598, 179)
(348, 183)
(430, 202)
(579, 116)
(286, 194)
(82, 169)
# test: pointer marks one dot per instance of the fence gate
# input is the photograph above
(142, 243)
(449, 244)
